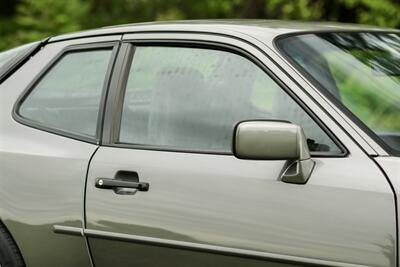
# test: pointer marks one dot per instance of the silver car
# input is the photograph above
(202, 143)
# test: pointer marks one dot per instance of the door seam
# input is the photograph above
(84, 208)
(395, 209)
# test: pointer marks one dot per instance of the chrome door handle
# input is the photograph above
(106, 183)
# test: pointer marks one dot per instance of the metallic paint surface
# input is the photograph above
(42, 177)
(391, 166)
(268, 140)
(344, 213)
(241, 254)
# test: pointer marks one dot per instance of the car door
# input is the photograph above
(174, 102)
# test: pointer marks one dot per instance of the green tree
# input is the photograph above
(37, 19)
(376, 12)
(27, 20)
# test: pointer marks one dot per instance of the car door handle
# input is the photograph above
(106, 183)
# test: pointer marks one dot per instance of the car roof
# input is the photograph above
(244, 26)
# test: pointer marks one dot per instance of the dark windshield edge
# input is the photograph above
(277, 45)
(18, 61)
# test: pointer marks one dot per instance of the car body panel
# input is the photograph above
(191, 194)
(391, 166)
(42, 175)
(223, 201)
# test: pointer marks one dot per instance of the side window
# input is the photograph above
(68, 97)
(191, 99)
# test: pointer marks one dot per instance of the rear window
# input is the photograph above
(10, 57)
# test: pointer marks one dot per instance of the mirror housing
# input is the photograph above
(275, 140)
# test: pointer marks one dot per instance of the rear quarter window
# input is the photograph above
(68, 97)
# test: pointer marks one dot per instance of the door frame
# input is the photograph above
(233, 44)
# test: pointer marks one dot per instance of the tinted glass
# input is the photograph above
(68, 97)
(191, 98)
(361, 70)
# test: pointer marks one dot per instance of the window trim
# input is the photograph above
(114, 47)
(126, 57)
(276, 43)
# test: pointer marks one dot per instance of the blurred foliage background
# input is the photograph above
(23, 21)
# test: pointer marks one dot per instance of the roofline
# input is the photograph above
(220, 27)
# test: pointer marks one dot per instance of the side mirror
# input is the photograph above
(275, 140)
